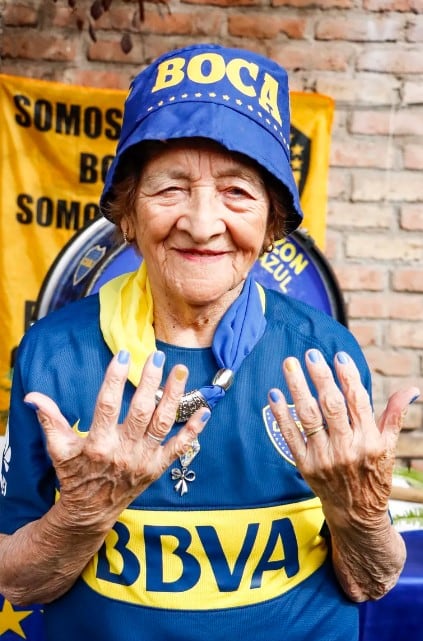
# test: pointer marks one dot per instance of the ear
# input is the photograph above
(127, 227)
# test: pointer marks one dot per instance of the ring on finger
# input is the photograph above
(155, 438)
(315, 430)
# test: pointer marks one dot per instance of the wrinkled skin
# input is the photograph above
(348, 465)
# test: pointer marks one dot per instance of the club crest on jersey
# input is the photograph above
(275, 434)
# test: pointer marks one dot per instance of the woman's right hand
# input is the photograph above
(100, 474)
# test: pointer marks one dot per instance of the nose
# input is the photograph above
(203, 215)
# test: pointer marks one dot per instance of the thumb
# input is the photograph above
(392, 418)
(62, 441)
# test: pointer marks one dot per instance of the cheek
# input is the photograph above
(249, 236)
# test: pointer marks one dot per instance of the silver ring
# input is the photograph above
(317, 429)
(155, 438)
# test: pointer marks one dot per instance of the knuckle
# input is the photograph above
(163, 423)
(138, 415)
(113, 382)
(309, 411)
(333, 404)
(107, 407)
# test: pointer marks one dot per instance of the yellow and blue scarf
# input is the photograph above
(126, 322)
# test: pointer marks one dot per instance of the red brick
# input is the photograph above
(383, 246)
(387, 186)
(319, 4)
(339, 184)
(400, 306)
(360, 277)
(37, 47)
(366, 306)
(19, 15)
(405, 306)
(365, 333)
(391, 362)
(155, 21)
(391, 59)
(415, 29)
(412, 93)
(63, 17)
(409, 280)
(118, 18)
(392, 5)
(260, 25)
(360, 28)
(94, 78)
(406, 335)
(413, 156)
(316, 56)
(332, 249)
(412, 217)
(392, 384)
(350, 152)
(360, 215)
(227, 3)
(402, 122)
(110, 51)
(364, 89)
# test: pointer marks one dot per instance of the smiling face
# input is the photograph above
(199, 222)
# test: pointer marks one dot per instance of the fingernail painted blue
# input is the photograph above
(314, 355)
(31, 406)
(123, 357)
(274, 395)
(158, 359)
(206, 416)
(342, 357)
(414, 398)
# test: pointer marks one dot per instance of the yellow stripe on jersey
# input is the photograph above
(208, 559)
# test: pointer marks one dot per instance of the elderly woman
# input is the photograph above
(192, 487)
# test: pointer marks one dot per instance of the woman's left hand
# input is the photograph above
(348, 463)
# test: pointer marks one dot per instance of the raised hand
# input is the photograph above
(346, 457)
(101, 474)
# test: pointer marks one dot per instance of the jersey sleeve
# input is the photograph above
(27, 479)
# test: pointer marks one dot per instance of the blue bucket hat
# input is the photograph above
(235, 97)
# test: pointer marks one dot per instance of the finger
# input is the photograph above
(61, 439)
(306, 405)
(331, 400)
(182, 441)
(143, 402)
(360, 410)
(165, 413)
(392, 418)
(109, 399)
(287, 425)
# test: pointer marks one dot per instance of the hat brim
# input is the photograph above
(226, 126)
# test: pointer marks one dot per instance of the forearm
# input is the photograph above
(42, 560)
(367, 558)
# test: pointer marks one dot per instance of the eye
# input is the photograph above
(239, 192)
(170, 191)
(235, 190)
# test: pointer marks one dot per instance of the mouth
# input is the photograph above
(191, 253)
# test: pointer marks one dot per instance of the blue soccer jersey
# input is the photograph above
(241, 553)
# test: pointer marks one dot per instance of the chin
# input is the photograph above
(202, 294)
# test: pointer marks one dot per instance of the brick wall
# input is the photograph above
(367, 55)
